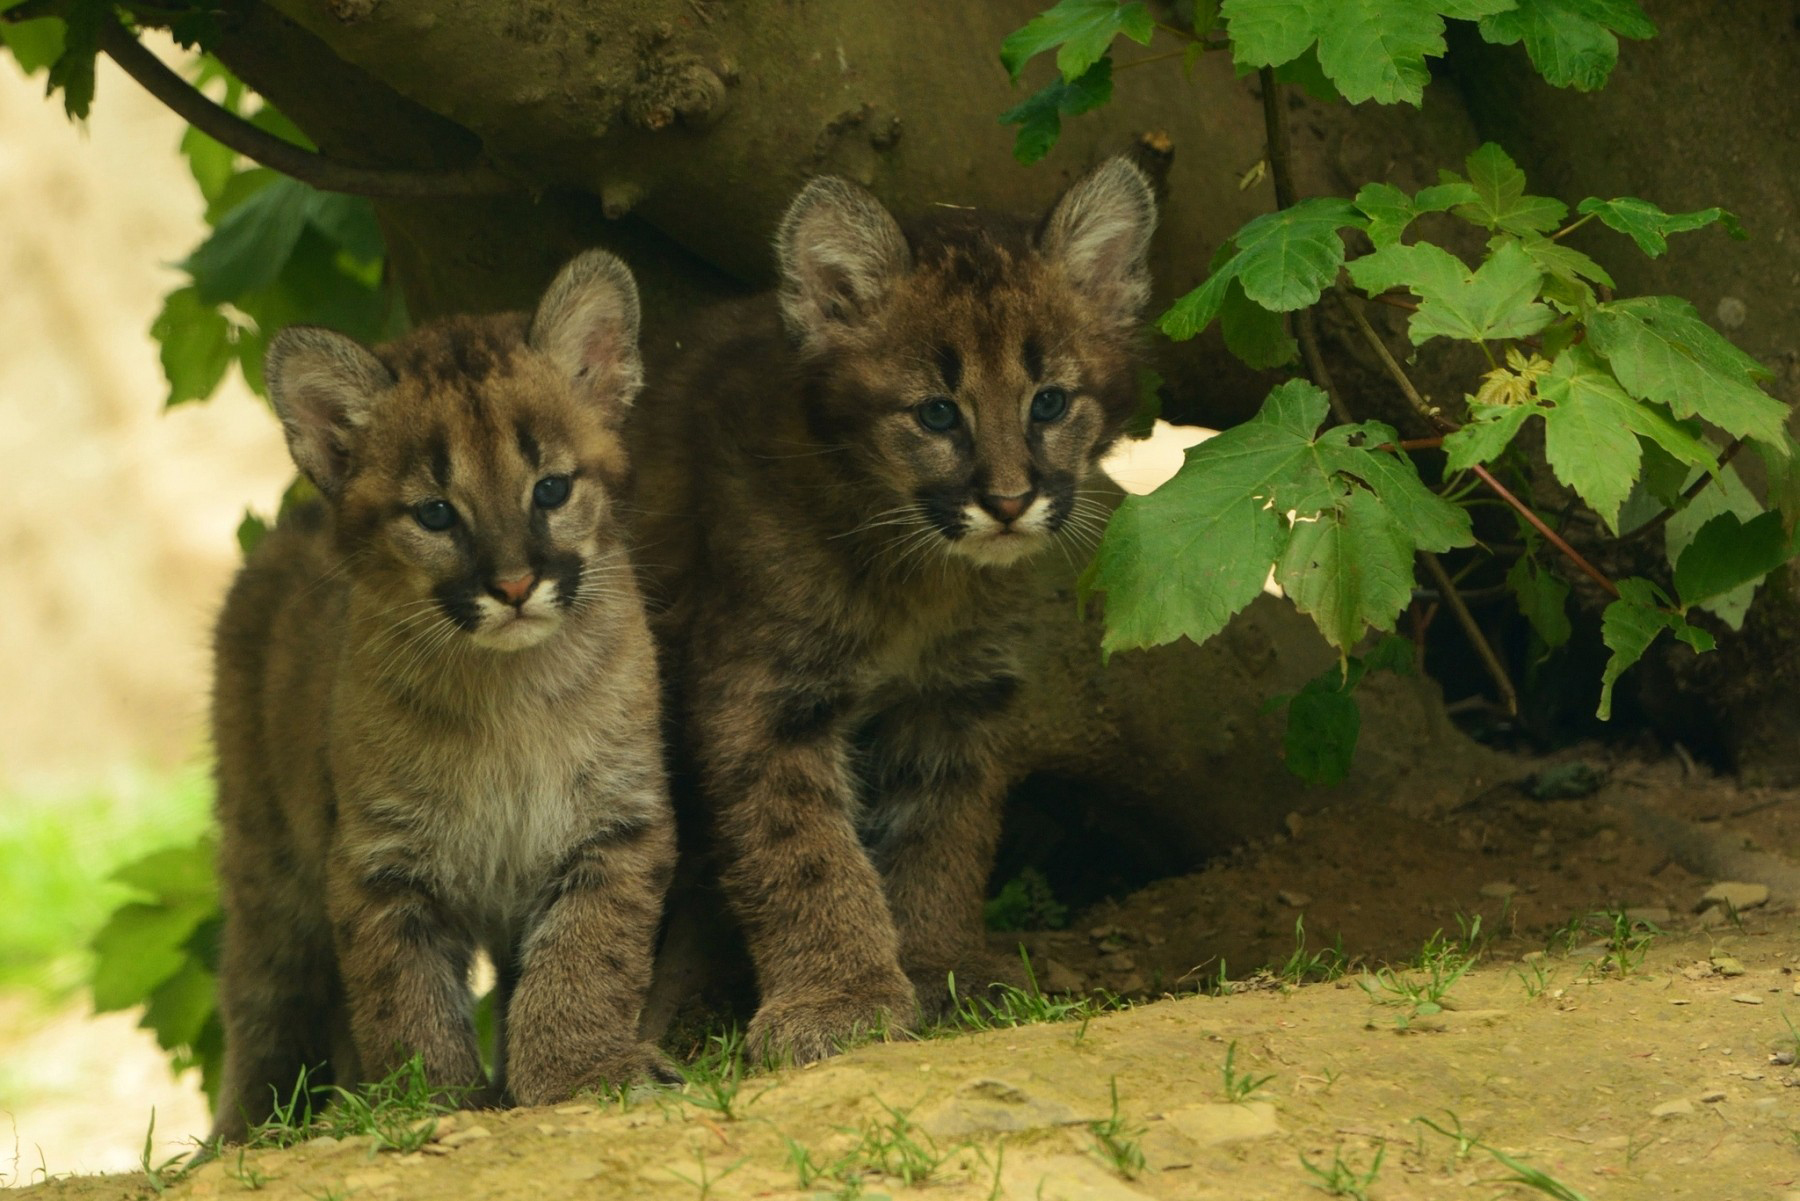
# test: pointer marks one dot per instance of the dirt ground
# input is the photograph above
(1660, 1067)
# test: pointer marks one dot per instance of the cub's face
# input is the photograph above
(471, 465)
(977, 370)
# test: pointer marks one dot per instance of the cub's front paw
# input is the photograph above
(804, 1027)
(981, 975)
(636, 1063)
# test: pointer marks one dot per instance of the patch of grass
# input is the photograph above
(1520, 1174)
(1305, 967)
(707, 1179)
(1116, 1142)
(1624, 941)
(1240, 1086)
(1342, 1179)
(60, 849)
(897, 1148)
(248, 1178)
(399, 1112)
(715, 1078)
(1025, 902)
(1004, 1006)
(1535, 975)
(159, 1176)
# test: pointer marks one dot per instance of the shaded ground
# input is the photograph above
(1658, 1066)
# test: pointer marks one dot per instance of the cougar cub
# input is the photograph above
(835, 482)
(435, 711)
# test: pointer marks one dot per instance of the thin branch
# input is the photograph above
(1281, 172)
(1393, 368)
(1551, 536)
(1509, 696)
(1694, 489)
(235, 133)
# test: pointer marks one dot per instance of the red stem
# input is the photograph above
(1550, 535)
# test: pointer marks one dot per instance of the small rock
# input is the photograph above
(1727, 965)
(988, 1104)
(1055, 976)
(1294, 825)
(1133, 984)
(1118, 961)
(547, 1128)
(1673, 1109)
(446, 1125)
(571, 1109)
(1499, 890)
(1102, 933)
(1650, 915)
(436, 1149)
(462, 1137)
(1292, 899)
(1734, 894)
(1712, 1096)
(1783, 1059)
(1747, 998)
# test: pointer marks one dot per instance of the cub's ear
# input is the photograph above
(1100, 232)
(587, 325)
(840, 254)
(323, 385)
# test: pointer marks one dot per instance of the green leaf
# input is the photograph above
(1253, 333)
(1039, 116)
(1307, 73)
(1500, 201)
(196, 345)
(1728, 553)
(1628, 627)
(175, 873)
(1649, 226)
(1489, 431)
(1588, 435)
(1560, 261)
(1662, 351)
(1543, 599)
(1149, 404)
(1781, 466)
(1350, 569)
(1283, 261)
(250, 533)
(250, 244)
(1724, 494)
(1369, 49)
(1572, 43)
(1196, 310)
(1428, 520)
(350, 222)
(73, 70)
(139, 947)
(1496, 300)
(1390, 210)
(212, 164)
(1084, 29)
(1323, 723)
(34, 44)
(181, 1006)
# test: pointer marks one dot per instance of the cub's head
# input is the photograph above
(973, 369)
(472, 465)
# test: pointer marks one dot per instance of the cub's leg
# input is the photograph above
(774, 762)
(278, 996)
(936, 768)
(405, 964)
(585, 967)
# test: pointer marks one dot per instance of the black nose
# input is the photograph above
(1006, 509)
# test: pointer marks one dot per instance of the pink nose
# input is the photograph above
(1007, 508)
(516, 590)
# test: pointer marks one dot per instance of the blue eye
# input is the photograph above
(1049, 404)
(435, 515)
(938, 415)
(551, 491)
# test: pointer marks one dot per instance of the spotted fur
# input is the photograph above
(433, 740)
(831, 551)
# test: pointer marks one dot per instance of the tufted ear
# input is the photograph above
(323, 385)
(587, 325)
(1100, 232)
(840, 254)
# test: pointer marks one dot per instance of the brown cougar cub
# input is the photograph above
(436, 716)
(834, 482)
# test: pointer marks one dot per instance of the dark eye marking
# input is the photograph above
(949, 365)
(438, 449)
(528, 445)
(551, 491)
(1031, 354)
(939, 414)
(1049, 404)
(435, 515)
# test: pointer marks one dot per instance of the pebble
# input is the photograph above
(1673, 1109)
(1747, 998)
(1782, 1059)
(1118, 961)
(1056, 976)
(1499, 890)
(1734, 894)
(1293, 900)
(1727, 965)
(1712, 1096)
(1294, 825)
(467, 1136)
(1102, 933)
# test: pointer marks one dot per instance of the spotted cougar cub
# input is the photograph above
(836, 481)
(436, 716)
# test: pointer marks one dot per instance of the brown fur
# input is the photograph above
(409, 766)
(838, 620)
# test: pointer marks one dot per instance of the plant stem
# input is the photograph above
(1447, 589)
(1151, 58)
(1281, 173)
(1393, 368)
(1551, 536)
(232, 131)
(1571, 227)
